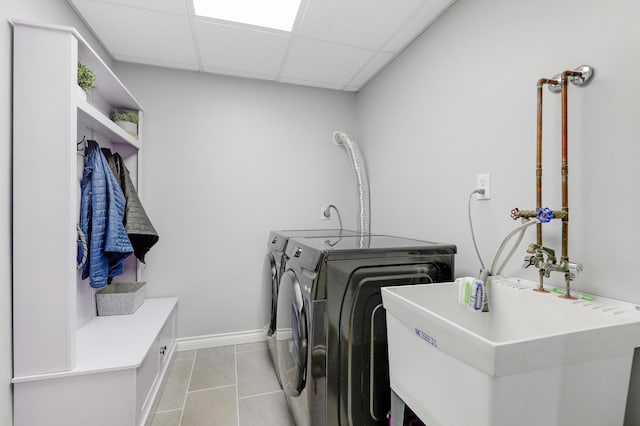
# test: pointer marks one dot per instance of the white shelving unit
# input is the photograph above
(91, 118)
(70, 366)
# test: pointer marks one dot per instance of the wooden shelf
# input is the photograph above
(91, 118)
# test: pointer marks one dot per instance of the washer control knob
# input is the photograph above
(298, 252)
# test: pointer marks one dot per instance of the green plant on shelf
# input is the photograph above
(86, 77)
(125, 115)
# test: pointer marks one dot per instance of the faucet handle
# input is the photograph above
(574, 269)
(528, 261)
(533, 248)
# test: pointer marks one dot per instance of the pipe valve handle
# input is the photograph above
(544, 215)
(515, 213)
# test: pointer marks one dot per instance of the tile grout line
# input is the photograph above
(251, 350)
(260, 394)
(235, 359)
(184, 401)
(167, 411)
(213, 388)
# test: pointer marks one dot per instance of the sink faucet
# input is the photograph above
(544, 259)
(537, 253)
(537, 259)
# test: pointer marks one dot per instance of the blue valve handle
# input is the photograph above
(544, 214)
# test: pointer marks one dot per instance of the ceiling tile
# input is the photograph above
(161, 37)
(371, 69)
(324, 62)
(339, 44)
(361, 23)
(252, 51)
(169, 6)
(417, 24)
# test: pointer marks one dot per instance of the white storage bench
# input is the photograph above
(122, 363)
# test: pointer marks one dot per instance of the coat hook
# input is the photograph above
(82, 146)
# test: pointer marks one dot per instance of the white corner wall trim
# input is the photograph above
(224, 339)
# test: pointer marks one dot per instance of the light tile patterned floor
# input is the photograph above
(226, 386)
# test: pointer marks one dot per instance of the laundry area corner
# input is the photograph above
(424, 173)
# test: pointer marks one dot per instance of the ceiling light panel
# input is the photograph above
(275, 14)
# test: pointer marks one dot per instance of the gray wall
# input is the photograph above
(57, 12)
(224, 161)
(6, 368)
(461, 100)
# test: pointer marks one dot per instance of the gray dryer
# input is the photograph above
(274, 262)
(331, 327)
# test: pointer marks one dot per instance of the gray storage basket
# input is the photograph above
(120, 298)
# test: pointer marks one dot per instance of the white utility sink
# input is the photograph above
(533, 360)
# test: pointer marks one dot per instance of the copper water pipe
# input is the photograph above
(541, 84)
(564, 82)
(585, 73)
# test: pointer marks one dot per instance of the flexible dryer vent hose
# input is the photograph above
(362, 181)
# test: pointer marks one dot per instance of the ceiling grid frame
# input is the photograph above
(304, 4)
(188, 4)
(355, 39)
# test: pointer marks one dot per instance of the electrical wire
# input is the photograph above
(520, 229)
(473, 236)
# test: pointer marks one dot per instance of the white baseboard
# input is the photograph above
(224, 339)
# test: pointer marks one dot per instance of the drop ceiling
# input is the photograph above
(335, 44)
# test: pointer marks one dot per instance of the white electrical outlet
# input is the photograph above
(325, 213)
(483, 181)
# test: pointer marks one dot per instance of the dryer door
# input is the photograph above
(291, 334)
(365, 398)
(270, 286)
